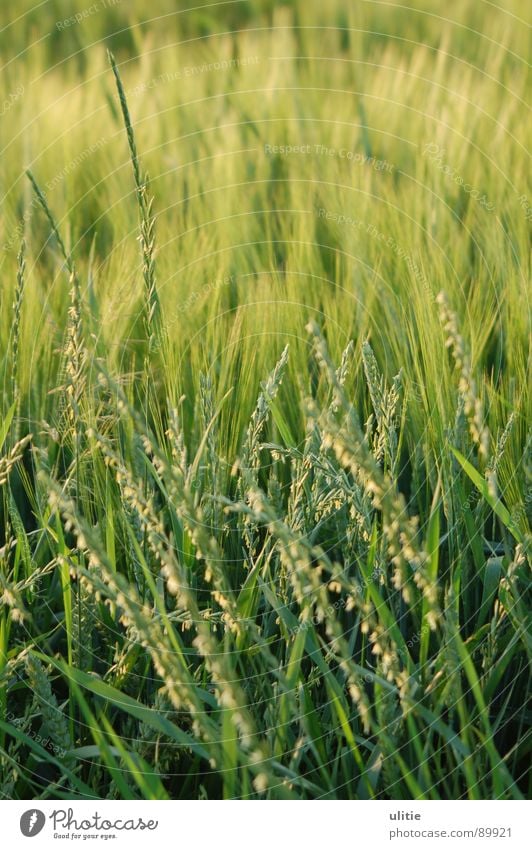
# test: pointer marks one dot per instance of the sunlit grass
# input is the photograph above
(264, 457)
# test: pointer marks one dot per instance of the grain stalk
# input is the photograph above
(54, 723)
(15, 345)
(152, 310)
(74, 352)
(469, 399)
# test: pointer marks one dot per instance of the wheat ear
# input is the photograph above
(17, 314)
(152, 317)
(75, 351)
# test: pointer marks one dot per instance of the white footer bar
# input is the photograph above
(266, 825)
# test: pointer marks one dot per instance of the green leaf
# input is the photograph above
(495, 503)
(432, 547)
(6, 424)
(132, 706)
(493, 572)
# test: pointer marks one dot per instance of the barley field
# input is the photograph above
(265, 469)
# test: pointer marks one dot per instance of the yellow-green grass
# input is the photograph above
(311, 602)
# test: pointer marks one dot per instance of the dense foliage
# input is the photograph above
(264, 446)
